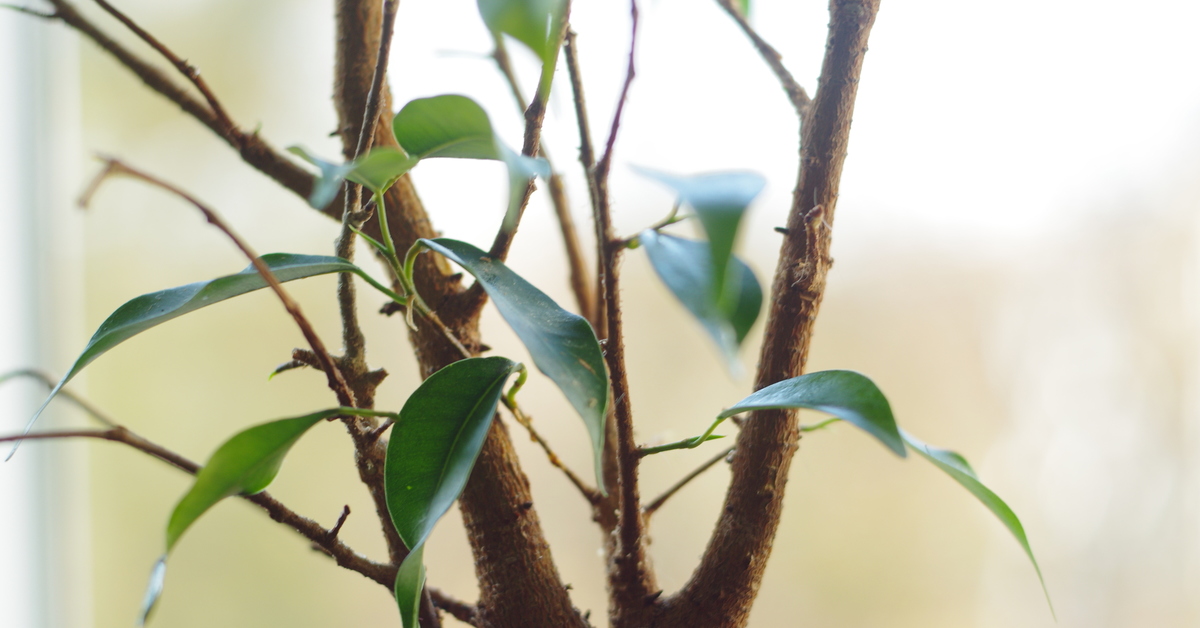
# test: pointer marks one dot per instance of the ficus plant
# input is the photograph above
(444, 444)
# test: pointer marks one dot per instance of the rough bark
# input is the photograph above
(519, 584)
(723, 587)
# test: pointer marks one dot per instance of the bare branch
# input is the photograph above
(796, 94)
(337, 383)
(657, 503)
(589, 493)
(459, 610)
(50, 383)
(326, 540)
(228, 130)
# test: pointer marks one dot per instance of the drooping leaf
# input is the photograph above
(149, 310)
(434, 443)
(719, 200)
(848, 395)
(410, 581)
(531, 22)
(684, 266)
(456, 126)
(244, 465)
(563, 345)
(153, 590)
(954, 465)
(376, 170)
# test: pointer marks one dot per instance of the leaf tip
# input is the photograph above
(154, 589)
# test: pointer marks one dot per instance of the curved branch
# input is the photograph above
(796, 94)
(722, 589)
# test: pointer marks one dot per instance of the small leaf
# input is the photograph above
(434, 443)
(954, 465)
(245, 464)
(326, 187)
(719, 199)
(534, 23)
(153, 309)
(380, 168)
(562, 344)
(848, 395)
(410, 582)
(684, 267)
(456, 126)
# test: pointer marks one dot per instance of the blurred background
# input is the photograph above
(1016, 265)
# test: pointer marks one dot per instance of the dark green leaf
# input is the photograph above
(684, 266)
(326, 187)
(156, 308)
(244, 465)
(848, 395)
(563, 345)
(456, 126)
(410, 582)
(532, 22)
(719, 199)
(434, 443)
(954, 465)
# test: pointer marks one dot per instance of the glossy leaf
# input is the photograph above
(456, 126)
(562, 344)
(719, 200)
(954, 465)
(684, 267)
(326, 187)
(149, 310)
(434, 443)
(410, 582)
(244, 465)
(531, 22)
(847, 395)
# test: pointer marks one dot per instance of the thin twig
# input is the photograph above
(336, 382)
(341, 521)
(229, 129)
(589, 493)
(28, 11)
(466, 613)
(50, 383)
(657, 502)
(341, 553)
(584, 296)
(631, 580)
(795, 93)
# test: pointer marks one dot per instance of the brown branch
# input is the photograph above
(585, 298)
(631, 582)
(337, 383)
(252, 148)
(466, 613)
(657, 503)
(228, 129)
(589, 493)
(326, 540)
(721, 590)
(795, 93)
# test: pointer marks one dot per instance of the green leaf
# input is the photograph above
(685, 267)
(244, 465)
(563, 345)
(534, 23)
(410, 582)
(377, 170)
(744, 5)
(456, 126)
(954, 465)
(156, 308)
(434, 443)
(380, 168)
(848, 395)
(719, 199)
